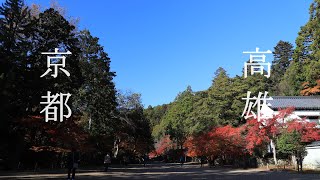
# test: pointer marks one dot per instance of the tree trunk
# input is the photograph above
(300, 161)
(274, 152)
(293, 161)
(116, 147)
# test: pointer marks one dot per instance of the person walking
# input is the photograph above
(181, 160)
(124, 159)
(145, 158)
(107, 162)
(202, 160)
(72, 163)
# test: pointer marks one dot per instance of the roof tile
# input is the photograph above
(299, 102)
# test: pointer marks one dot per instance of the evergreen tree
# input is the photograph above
(306, 63)
(177, 121)
(15, 31)
(202, 115)
(220, 97)
(97, 95)
(282, 57)
(134, 132)
(240, 86)
(155, 114)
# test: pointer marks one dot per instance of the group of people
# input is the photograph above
(73, 160)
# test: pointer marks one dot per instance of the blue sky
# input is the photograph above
(159, 47)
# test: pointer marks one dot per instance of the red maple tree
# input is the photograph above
(220, 141)
(53, 136)
(308, 130)
(164, 144)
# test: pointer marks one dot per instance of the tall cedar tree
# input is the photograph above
(176, 122)
(15, 31)
(97, 95)
(282, 58)
(22, 39)
(220, 97)
(305, 67)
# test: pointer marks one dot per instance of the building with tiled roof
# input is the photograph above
(307, 107)
(299, 102)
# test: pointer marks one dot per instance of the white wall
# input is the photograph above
(312, 160)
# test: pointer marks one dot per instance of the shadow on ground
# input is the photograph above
(165, 171)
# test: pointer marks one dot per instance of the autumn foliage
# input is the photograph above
(225, 140)
(308, 130)
(231, 141)
(309, 90)
(53, 136)
(162, 146)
